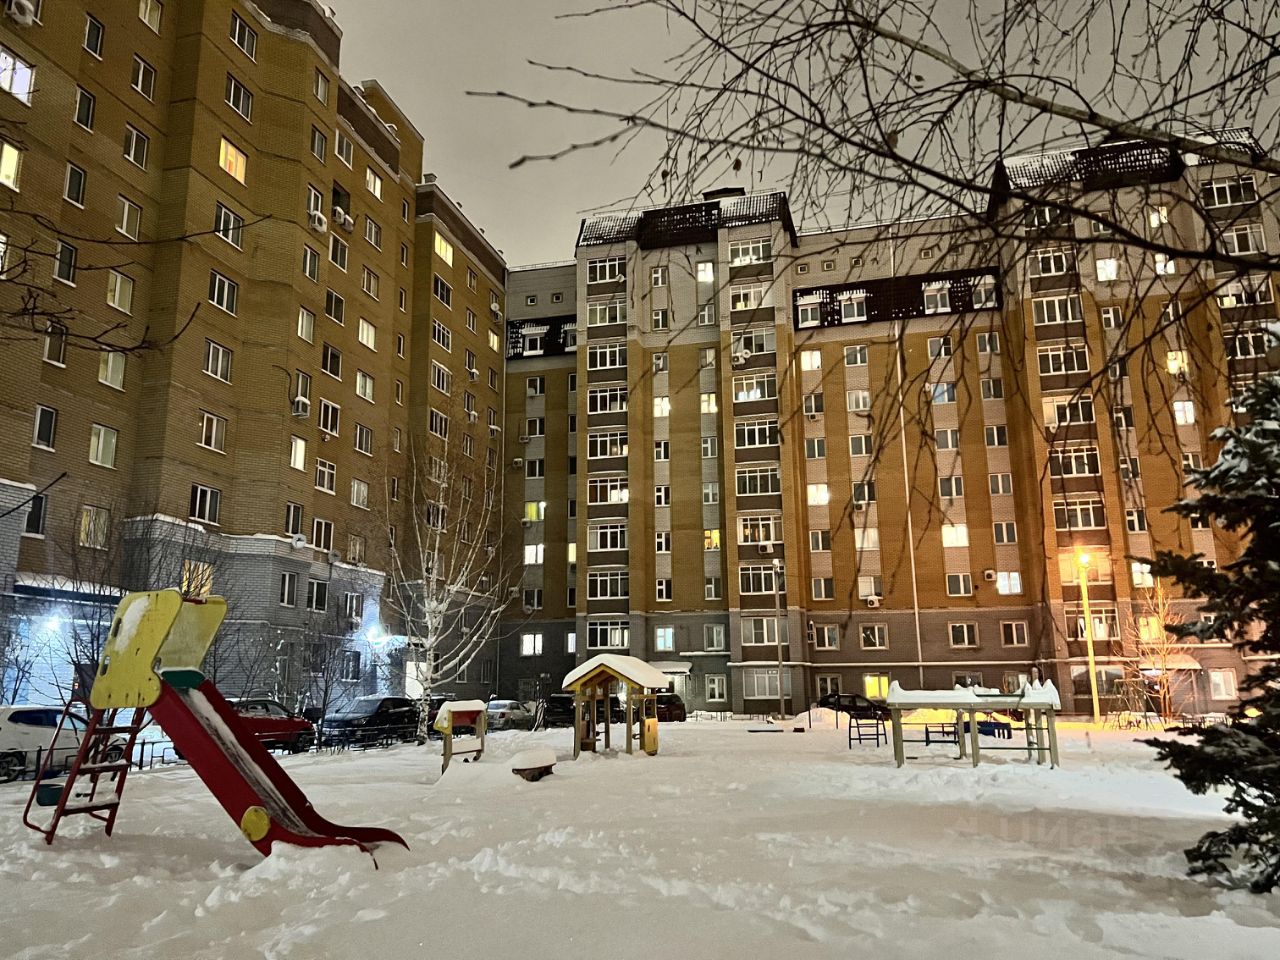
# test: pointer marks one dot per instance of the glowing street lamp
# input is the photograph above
(1082, 565)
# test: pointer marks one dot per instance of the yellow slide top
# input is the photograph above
(153, 631)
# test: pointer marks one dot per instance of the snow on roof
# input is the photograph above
(672, 666)
(632, 669)
(1171, 661)
(1031, 695)
(462, 706)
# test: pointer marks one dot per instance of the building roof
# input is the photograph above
(681, 224)
(632, 669)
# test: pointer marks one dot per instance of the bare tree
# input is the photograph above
(1154, 638)
(448, 585)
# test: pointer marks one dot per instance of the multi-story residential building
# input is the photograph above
(861, 455)
(198, 180)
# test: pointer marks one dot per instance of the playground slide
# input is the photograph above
(244, 776)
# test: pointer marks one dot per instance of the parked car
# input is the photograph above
(26, 732)
(671, 708)
(434, 703)
(509, 715)
(372, 719)
(558, 710)
(856, 705)
(274, 726)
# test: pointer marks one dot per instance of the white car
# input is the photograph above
(508, 715)
(26, 733)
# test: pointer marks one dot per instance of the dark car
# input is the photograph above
(274, 726)
(558, 710)
(373, 719)
(855, 705)
(671, 708)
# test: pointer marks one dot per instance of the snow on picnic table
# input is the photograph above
(727, 844)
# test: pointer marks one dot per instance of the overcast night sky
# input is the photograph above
(428, 53)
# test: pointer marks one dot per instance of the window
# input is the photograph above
(855, 356)
(1059, 411)
(760, 631)
(864, 492)
(607, 444)
(858, 401)
(442, 335)
(755, 433)
(937, 297)
(338, 252)
(137, 145)
(860, 445)
(826, 636)
(206, 503)
(604, 634)
(223, 292)
(1229, 191)
(326, 476)
(217, 361)
(710, 540)
(319, 142)
(1051, 310)
(74, 185)
(64, 263)
(370, 282)
(663, 589)
(359, 494)
(997, 435)
(1081, 513)
(608, 584)
(213, 431)
(874, 636)
(992, 388)
(755, 386)
(820, 541)
(955, 535)
(1222, 685)
(364, 386)
(760, 578)
(603, 312)
(46, 428)
(823, 588)
(95, 526)
(661, 450)
(1008, 582)
(1141, 574)
(93, 34)
(317, 595)
(758, 480)
(373, 233)
(963, 634)
(941, 393)
(853, 307)
(808, 314)
(959, 585)
(373, 182)
(1184, 412)
(662, 495)
(662, 541)
(748, 296)
(86, 107)
(1110, 318)
(761, 683)
(1165, 265)
(438, 424)
(940, 347)
(1063, 358)
(1135, 520)
(443, 292)
(297, 453)
(951, 487)
(1243, 238)
(232, 159)
(37, 510)
(708, 403)
(815, 448)
(243, 36)
(817, 494)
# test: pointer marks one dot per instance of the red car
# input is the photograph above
(275, 727)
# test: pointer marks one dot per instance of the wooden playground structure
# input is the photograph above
(593, 684)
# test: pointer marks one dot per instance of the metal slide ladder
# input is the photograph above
(98, 757)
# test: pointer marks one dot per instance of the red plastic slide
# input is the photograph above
(248, 782)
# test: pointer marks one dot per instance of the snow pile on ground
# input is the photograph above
(727, 844)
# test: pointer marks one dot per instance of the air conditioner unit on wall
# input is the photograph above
(301, 407)
(339, 214)
(517, 461)
(318, 222)
(348, 223)
(21, 12)
(298, 541)
(766, 548)
(873, 602)
(989, 575)
(526, 522)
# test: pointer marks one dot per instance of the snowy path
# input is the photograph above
(728, 844)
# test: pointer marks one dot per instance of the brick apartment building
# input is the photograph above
(877, 453)
(200, 176)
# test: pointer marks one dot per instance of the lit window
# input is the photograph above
(232, 159)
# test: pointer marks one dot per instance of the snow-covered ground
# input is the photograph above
(727, 844)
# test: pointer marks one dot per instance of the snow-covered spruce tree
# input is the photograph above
(1240, 492)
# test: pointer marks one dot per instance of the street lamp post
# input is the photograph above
(777, 632)
(1082, 565)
